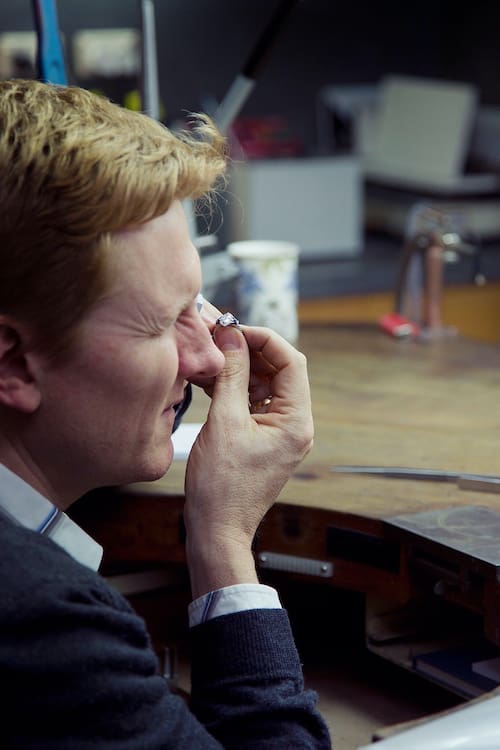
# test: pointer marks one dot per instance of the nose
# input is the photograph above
(199, 357)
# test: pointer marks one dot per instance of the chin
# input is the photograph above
(158, 473)
(147, 465)
(155, 467)
(146, 474)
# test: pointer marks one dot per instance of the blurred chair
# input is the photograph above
(418, 139)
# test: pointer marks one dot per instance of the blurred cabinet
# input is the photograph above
(316, 202)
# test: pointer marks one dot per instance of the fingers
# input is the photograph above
(273, 351)
(260, 365)
(232, 383)
(241, 459)
(277, 364)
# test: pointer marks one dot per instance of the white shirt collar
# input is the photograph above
(24, 505)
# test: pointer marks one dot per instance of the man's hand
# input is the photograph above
(259, 428)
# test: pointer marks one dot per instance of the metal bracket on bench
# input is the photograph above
(294, 564)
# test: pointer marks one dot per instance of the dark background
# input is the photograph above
(203, 45)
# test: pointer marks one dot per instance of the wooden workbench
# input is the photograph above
(376, 400)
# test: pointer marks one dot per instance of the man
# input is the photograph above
(99, 334)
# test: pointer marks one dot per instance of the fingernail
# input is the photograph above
(228, 338)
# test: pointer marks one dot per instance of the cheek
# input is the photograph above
(146, 371)
(160, 367)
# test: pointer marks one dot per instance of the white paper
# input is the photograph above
(475, 727)
(183, 439)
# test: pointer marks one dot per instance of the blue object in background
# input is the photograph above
(51, 63)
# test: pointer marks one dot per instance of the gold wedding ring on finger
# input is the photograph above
(260, 407)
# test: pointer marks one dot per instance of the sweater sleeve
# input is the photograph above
(247, 684)
(81, 673)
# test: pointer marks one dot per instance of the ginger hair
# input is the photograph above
(74, 169)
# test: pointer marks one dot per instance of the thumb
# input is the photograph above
(231, 384)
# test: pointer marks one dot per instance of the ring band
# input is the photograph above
(256, 406)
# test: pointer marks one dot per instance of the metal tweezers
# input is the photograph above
(475, 482)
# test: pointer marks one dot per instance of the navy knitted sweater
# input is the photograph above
(78, 671)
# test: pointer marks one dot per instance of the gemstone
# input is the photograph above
(228, 319)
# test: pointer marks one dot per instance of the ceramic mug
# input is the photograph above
(267, 284)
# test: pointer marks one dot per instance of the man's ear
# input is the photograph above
(18, 388)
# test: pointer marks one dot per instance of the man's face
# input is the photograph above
(107, 412)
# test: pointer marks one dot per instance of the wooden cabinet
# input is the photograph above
(473, 310)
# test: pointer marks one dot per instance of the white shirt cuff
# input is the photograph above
(232, 599)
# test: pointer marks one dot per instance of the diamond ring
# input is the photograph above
(227, 319)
